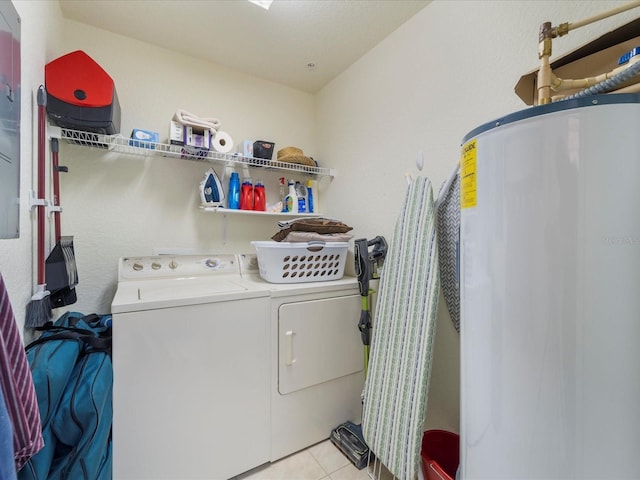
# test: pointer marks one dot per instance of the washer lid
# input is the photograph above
(189, 287)
(165, 293)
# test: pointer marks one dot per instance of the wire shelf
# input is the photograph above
(225, 211)
(120, 144)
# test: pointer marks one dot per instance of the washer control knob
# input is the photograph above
(253, 262)
(137, 266)
(156, 266)
(173, 264)
(212, 263)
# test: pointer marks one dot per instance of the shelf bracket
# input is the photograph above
(54, 131)
(53, 209)
(36, 202)
(224, 229)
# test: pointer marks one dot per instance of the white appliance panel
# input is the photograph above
(315, 405)
(191, 396)
(318, 341)
(188, 288)
(550, 305)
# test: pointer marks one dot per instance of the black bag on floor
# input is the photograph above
(73, 378)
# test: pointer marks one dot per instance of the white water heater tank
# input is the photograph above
(550, 293)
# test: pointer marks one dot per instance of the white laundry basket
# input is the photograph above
(293, 262)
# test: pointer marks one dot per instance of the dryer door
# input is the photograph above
(318, 341)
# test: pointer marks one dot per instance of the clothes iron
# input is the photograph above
(211, 193)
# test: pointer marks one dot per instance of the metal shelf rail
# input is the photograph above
(121, 144)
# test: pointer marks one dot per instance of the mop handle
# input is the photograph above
(42, 102)
(56, 187)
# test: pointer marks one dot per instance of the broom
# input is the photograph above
(39, 308)
(61, 274)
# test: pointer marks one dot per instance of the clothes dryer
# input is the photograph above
(316, 360)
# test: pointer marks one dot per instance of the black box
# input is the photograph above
(262, 149)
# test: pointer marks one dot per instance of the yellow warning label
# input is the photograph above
(468, 175)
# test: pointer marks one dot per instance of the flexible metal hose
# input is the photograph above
(609, 84)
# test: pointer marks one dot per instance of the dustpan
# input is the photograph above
(61, 272)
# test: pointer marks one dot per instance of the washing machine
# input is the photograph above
(191, 394)
(317, 357)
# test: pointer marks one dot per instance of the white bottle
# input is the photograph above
(301, 192)
(283, 193)
(291, 200)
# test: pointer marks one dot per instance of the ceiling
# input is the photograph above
(277, 45)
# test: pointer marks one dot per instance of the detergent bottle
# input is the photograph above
(283, 194)
(291, 200)
(246, 194)
(259, 198)
(310, 206)
(301, 192)
(234, 191)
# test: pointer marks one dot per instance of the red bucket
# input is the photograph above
(440, 455)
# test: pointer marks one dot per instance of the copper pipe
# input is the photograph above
(544, 72)
(547, 33)
(595, 18)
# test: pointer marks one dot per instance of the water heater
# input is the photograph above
(550, 293)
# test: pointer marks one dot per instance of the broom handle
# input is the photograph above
(42, 102)
(56, 187)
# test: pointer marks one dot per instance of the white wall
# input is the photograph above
(120, 205)
(450, 68)
(39, 26)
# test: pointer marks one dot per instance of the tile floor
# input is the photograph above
(322, 461)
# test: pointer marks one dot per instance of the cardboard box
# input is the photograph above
(143, 139)
(245, 148)
(199, 138)
(176, 133)
(594, 58)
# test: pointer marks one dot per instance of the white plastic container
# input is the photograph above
(298, 262)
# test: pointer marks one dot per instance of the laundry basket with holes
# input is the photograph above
(292, 262)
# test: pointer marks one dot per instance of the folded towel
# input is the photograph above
(317, 237)
(189, 119)
(287, 223)
(317, 225)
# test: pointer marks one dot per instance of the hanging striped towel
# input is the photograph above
(17, 386)
(395, 393)
(448, 211)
